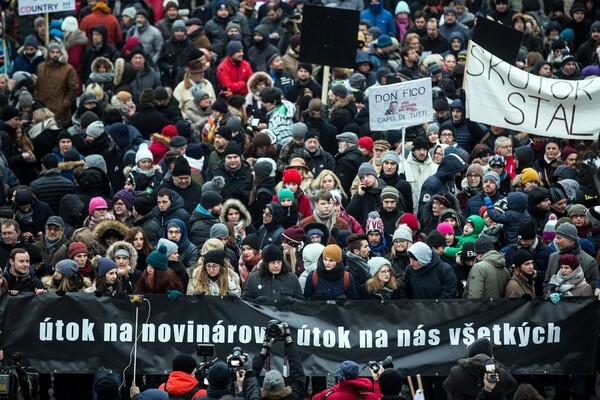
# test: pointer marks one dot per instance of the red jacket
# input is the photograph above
(109, 21)
(180, 383)
(349, 390)
(234, 77)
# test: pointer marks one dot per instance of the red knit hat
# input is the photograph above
(77, 248)
(482, 209)
(169, 131)
(568, 259)
(292, 176)
(410, 220)
(294, 235)
(366, 143)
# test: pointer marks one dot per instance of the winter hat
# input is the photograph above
(77, 248)
(390, 156)
(218, 376)
(127, 196)
(348, 137)
(526, 229)
(95, 129)
(9, 112)
(273, 381)
(23, 197)
(88, 98)
(53, 46)
(184, 363)
(382, 145)
(107, 388)
(158, 259)
(480, 346)
(347, 370)
(153, 394)
(232, 148)
(497, 160)
(87, 118)
(198, 94)
(483, 245)
(96, 203)
(299, 130)
(285, 194)
(410, 220)
(31, 41)
(272, 252)
(104, 265)
(25, 99)
(403, 232)
(67, 268)
(568, 231)
(521, 257)
(435, 239)
(568, 259)
(214, 185)
(568, 150)
(181, 166)
(129, 12)
(147, 96)
(384, 41)
(292, 176)
(123, 252)
(389, 192)
(215, 256)
(577, 209)
(233, 47)
(492, 176)
(366, 143)
(143, 153)
(529, 175)
(550, 228)
(476, 169)
(307, 66)
(265, 168)
(341, 236)
(178, 141)
(576, 7)
(468, 251)
(72, 155)
(221, 105)
(374, 223)
(334, 252)
(366, 169)
(219, 230)
(210, 199)
(593, 214)
(252, 241)
(376, 263)
(421, 252)
(293, 236)
(420, 142)
(312, 134)
(390, 380)
(179, 25)
(143, 205)
(142, 12)
(169, 245)
(340, 90)
(445, 228)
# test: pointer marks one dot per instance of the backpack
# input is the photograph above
(315, 279)
(188, 396)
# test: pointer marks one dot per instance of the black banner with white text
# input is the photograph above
(82, 333)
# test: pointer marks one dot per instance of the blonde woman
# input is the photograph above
(381, 285)
(327, 180)
(209, 245)
(213, 278)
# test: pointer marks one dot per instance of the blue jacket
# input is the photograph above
(380, 18)
(330, 284)
(476, 202)
(517, 212)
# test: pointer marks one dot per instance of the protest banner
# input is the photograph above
(32, 7)
(79, 333)
(501, 94)
(400, 105)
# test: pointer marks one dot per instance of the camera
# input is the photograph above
(205, 351)
(275, 330)
(385, 363)
(490, 370)
(17, 381)
(236, 360)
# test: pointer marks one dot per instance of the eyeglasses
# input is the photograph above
(119, 203)
(473, 176)
(212, 266)
(52, 228)
(385, 271)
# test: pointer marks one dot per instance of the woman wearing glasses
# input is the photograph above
(381, 285)
(212, 278)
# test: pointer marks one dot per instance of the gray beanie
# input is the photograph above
(483, 245)
(25, 99)
(403, 232)
(390, 156)
(421, 252)
(273, 381)
(376, 263)
(218, 231)
(567, 230)
(299, 130)
(96, 160)
(198, 94)
(366, 168)
(68, 268)
(493, 176)
(95, 129)
(171, 247)
(433, 127)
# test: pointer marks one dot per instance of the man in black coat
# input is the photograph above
(344, 107)
(146, 118)
(348, 159)
(181, 183)
(50, 187)
(174, 54)
(20, 277)
(144, 218)
(237, 174)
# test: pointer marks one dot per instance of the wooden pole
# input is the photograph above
(325, 84)
(411, 387)
(47, 33)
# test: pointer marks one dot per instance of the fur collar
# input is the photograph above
(157, 137)
(70, 165)
(238, 204)
(129, 169)
(279, 394)
(344, 102)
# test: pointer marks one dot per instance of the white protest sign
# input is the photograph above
(501, 94)
(31, 7)
(400, 105)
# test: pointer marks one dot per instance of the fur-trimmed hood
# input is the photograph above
(121, 244)
(96, 61)
(277, 394)
(75, 38)
(129, 168)
(157, 137)
(237, 204)
(256, 77)
(70, 165)
(341, 103)
(124, 72)
(47, 281)
(102, 227)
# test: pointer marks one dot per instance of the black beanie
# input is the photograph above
(480, 346)
(225, 132)
(252, 241)
(107, 389)
(143, 205)
(215, 256)
(526, 229)
(435, 239)
(521, 257)
(210, 199)
(390, 382)
(232, 148)
(218, 376)
(420, 142)
(181, 167)
(184, 363)
(272, 253)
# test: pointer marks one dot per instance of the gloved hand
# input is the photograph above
(266, 347)
(288, 300)
(231, 296)
(199, 295)
(261, 300)
(174, 294)
(341, 300)
(317, 296)
(60, 293)
(488, 202)
(555, 297)
(288, 334)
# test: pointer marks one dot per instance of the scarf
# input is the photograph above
(402, 24)
(384, 294)
(40, 127)
(149, 173)
(471, 191)
(85, 270)
(232, 170)
(327, 219)
(102, 77)
(565, 283)
(359, 260)
(52, 246)
(330, 275)
(25, 218)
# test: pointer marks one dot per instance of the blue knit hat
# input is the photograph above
(105, 265)
(158, 259)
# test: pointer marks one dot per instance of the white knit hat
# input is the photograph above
(143, 153)
(69, 25)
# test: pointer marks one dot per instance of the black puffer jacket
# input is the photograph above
(346, 167)
(50, 187)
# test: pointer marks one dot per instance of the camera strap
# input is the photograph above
(286, 363)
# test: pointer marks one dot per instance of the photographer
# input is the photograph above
(274, 385)
(469, 379)
(182, 381)
(351, 385)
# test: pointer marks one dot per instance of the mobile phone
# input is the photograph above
(205, 350)
(490, 369)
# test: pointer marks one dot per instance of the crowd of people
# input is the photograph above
(165, 147)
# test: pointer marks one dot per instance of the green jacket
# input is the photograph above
(488, 277)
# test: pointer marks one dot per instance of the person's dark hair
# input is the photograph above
(165, 192)
(323, 195)
(404, 51)
(354, 241)
(420, 14)
(170, 157)
(16, 251)
(476, 150)
(102, 286)
(364, 22)
(12, 222)
(132, 233)
(526, 391)
(270, 95)
(163, 281)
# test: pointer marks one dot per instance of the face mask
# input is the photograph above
(375, 8)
